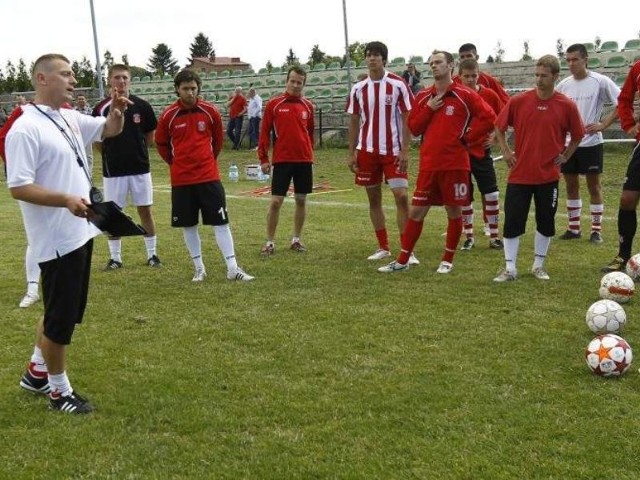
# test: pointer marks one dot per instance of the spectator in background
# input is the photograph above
(468, 50)
(84, 108)
(590, 90)
(20, 100)
(254, 112)
(412, 77)
(237, 107)
(3, 116)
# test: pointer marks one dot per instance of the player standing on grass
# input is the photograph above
(454, 122)
(482, 168)
(47, 173)
(589, 90)
(125, 164)
(469, 51)
(289, 118)
(379, 141)
(189, 138)
(627, 216)
(541, 119)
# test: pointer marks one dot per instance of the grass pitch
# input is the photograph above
(322, 367)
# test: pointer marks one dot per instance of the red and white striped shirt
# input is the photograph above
(380, 103)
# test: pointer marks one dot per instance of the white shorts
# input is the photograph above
(140, 187)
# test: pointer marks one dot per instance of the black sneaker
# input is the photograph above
(468, 244)
(496, 244)
(615, 265)
(35, 384)
(73, 403)
(596, 238)
(154, 261)
(569, 235)
(112, 265)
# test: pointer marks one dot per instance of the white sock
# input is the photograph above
(32, 269)
(511, 246)
(540, 248)
(574, 211)
(115, 249)
(37, 360)
(150, 243)
(32, 289)
(224, 239)
(294, 240)
(60, 384)
(192, 241)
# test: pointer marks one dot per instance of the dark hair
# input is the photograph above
(186, 75)
(118, 67)
(468, 64)
(377, 47)
(447, 55)
(580, 48)
(468, 47)
(299, 70)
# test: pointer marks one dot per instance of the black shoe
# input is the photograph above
(35, 384)
(569, 235)
(496, 244)
(154, 261)
(615, 265)
(596, 238)
(73, 403)
(112, 265)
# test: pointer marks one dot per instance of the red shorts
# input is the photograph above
(372, 167)
(447, 187)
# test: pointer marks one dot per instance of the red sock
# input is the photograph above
(410, 236)
(383, 239)
(454, 231)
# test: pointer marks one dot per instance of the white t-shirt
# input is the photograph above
(38, 153)
(590, 95)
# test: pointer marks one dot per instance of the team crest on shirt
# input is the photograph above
(305, 115)
(542, 107)
(388, 99)
(201, 126)
(449, 110)
(137, 118)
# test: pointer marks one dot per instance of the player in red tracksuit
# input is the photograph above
(453, 120)
(482, 167)
(189, 138)
(542, 119)
(627, 217)
(289, 118)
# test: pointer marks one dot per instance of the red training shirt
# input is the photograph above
(486, 80)
(238, 104)
(626, 97)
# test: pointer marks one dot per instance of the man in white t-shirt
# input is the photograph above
(47, 174)
(590, 91)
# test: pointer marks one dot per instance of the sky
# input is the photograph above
(261, 30)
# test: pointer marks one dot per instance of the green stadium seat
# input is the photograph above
(146, 78)
(325, 93)
(633, 44)
(609, 46)
(263, 71)
(319, 67)
(135, 79)
(591, 48)
(314, 80)
(248, 73)
(224, 74)
(207, 86)
(417, 59)
(351, 65)
(310, 92)
(344, 78)
(156, 78)
(616, 61)
(341, 92)
(276, 70)
(331, 79)
(271, 82)
(258, 84)
(594, 62)
(620, 80)
(325, 107)
(305, 66)
(236, 73)
(333, 66)
(397, 62)
(212, 75)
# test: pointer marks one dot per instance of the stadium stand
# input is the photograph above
(632, 44)
(617, 61)
(609, 46)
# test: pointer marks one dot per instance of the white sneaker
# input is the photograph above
(505, 275)
(486, 230)
(393, 267)
(540, 273)
(413, 260)
(239, 275)
(445, 267)
(28, 300)
(199, 276)
(379, 254)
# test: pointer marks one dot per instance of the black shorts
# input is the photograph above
(300, 173)
(517, 202)
(65, 286)
(632, 178)
(585, 160)
(187, 201)
(485, 174)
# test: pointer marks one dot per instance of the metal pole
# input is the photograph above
(346, 43)
(95, 45)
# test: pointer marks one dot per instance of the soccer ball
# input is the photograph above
(617, 286)
(633, 267)
(609, 355)
(606, 316)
